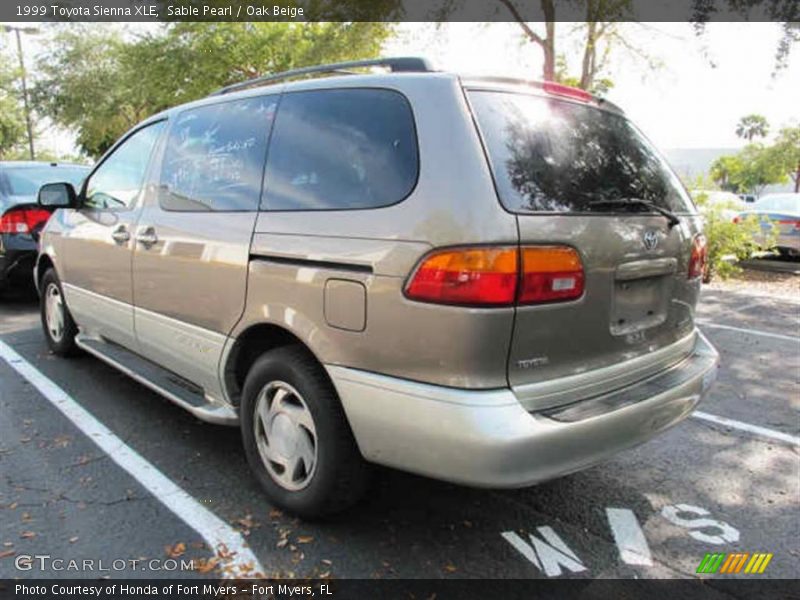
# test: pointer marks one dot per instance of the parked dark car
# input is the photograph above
(21, 218)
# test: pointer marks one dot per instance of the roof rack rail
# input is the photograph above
(402, 64)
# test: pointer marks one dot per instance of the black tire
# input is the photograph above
(65, 345)
(340, 475)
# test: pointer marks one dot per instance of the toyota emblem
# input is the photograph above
(650, 239)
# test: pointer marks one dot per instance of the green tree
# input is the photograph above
(762, 166)
(83, 85)
(12, 120)
(599, 86)
(101, 84)
(598, 33)
(787, 151)
(601, 31)
(727, 241)
(725, 172)
(752, 126)
(546, 41)
(751, 170)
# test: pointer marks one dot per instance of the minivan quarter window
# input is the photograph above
(214, 159)
(116, 183)
(341, 149)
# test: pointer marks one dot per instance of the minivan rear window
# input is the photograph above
(550, 155)
(341, 149)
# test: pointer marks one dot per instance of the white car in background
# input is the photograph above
(749, 198)
(783, 212)
(730, 204)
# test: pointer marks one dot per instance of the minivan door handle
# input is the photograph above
(146, 236)
(120, 234)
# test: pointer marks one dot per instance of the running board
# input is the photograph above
(184, 393)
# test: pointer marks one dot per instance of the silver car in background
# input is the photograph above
(779, 213)
(729, 204)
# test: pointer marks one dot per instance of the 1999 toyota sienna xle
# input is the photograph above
(486, 281)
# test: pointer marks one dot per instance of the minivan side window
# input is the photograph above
(214, 159)
(116, 183)
(341, 149)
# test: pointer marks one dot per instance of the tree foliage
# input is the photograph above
(751, 170)
(780, 11)
(101, 83)
(724, 171)
(12, 119)
(787, 151)
(725, 239)
(759, 165)
(599, 32)
(752, 126)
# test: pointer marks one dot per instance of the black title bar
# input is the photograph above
(392, 10)
(395, 589)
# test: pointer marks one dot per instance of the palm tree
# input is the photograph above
(752, 126)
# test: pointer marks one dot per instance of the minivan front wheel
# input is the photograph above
(296, 436)
(59, 328)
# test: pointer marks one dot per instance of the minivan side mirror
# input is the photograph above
(57, 195)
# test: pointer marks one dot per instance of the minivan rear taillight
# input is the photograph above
(23, 220)
(498, 276)
(550, 274)
(480, 276)
(697, 261)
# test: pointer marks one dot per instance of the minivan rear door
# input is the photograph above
(582, 176)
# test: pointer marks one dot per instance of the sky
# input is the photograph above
(684, 102)
(689, 92)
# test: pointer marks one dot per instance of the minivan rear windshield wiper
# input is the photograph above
(673, 220)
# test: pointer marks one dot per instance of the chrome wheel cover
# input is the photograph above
(54, 312)
(285, 435)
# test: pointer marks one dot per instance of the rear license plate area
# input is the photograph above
(639, 304)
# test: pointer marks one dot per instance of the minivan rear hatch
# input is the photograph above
(582, 177)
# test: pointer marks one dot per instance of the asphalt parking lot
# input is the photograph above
(151, 482)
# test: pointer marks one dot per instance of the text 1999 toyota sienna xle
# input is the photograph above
(486, 281)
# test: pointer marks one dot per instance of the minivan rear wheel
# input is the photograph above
(296, 437)
(59, 328)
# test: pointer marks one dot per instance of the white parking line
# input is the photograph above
(746, 307)
(762, 431)
(628, 535)
(220, 536)
(777, 297)
(769, 334)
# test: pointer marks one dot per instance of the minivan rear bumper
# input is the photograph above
(486, 438)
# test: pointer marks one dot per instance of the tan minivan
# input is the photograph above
(487, 281)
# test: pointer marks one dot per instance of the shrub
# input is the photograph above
(728, 242)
